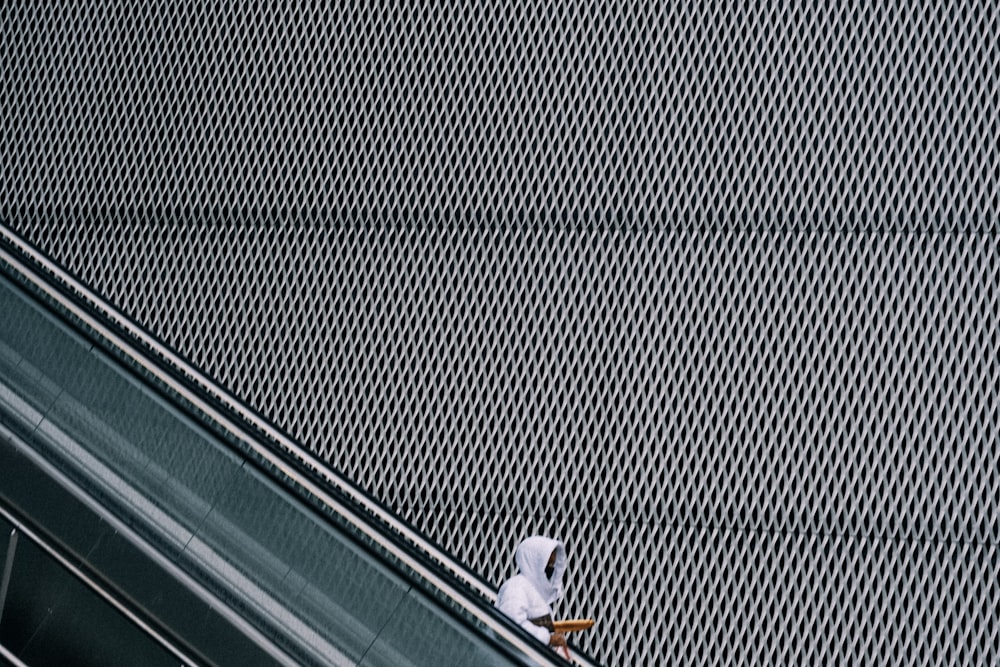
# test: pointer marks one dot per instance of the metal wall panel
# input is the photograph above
(782, 113)
(710, 292)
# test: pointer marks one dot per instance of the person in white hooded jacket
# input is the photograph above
(527, 598)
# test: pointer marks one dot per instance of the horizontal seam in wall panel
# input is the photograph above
(262, 218)
(848, 537)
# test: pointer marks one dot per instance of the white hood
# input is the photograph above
(532, 556)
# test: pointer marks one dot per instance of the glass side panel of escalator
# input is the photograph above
(293, 574)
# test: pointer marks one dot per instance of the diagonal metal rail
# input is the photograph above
(362, 513)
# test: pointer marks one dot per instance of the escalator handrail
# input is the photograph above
(93, 585)
(167, 367)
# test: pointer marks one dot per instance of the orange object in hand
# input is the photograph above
(573, 625)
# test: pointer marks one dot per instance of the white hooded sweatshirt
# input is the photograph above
(530, 593)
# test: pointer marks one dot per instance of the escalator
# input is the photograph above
(147, 517)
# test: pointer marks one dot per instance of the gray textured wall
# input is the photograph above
(711, 293)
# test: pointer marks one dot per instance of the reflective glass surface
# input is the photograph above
(297, 578)
(49, 617)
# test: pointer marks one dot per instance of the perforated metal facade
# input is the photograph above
(711, 292)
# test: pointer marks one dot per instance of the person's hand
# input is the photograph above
(558, 639)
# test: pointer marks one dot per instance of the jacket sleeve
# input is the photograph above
(514, 604)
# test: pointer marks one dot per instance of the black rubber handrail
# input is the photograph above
(192, 390)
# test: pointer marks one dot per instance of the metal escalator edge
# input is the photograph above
(297, 465)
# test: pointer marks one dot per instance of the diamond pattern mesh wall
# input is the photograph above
(711, 292)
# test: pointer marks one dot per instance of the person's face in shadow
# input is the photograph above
(550, 567)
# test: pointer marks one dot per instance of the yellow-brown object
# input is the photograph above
(573, 625)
